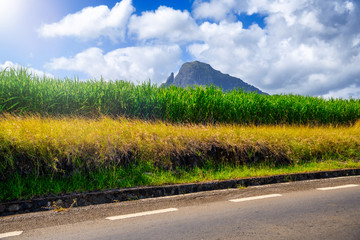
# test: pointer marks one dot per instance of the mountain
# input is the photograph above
(198, 73)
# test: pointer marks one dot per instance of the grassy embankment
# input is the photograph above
(65, 136)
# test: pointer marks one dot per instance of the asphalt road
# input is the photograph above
(298, 210)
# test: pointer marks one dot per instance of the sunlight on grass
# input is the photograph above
(22, 93)
(17, 187)
(61, 136)
(47, 155)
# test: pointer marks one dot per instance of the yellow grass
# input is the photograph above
(47, 155)
(105, 139)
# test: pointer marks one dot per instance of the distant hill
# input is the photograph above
(202, 74)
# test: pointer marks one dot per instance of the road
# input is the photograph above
(297, 210)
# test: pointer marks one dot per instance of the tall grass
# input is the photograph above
(21, 92)
(49, 155)
(47, 145)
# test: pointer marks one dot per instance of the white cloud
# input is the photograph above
(352, 91)
(10, 65)
(285, 8)
(164, 24)
(215, 9)
(92, 22)
(135, 64)
(228, 47)
(307, 47)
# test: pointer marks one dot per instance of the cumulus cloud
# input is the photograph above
(135, 64)
(307, 47)
(164, 24)
(92, 22)
(352, 91)
(215, 9)
(10, 65)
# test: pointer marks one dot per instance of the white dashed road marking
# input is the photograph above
(10, 234)
(255, 198)
(142, 214)
(337, 187)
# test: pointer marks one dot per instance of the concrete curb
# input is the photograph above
(111, 196)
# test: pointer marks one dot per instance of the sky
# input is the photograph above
(307, 47)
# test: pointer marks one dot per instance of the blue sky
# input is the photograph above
(308, 47)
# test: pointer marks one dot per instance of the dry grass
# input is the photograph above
(76, 142)
(46, 155)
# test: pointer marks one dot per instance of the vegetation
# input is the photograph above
(29, 186)
(102, 151)
(60, 136)
(20, 92)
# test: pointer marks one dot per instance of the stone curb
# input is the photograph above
(118, 195)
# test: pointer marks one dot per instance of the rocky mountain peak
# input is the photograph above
(202, 74)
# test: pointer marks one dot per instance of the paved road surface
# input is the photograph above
(298, 210)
